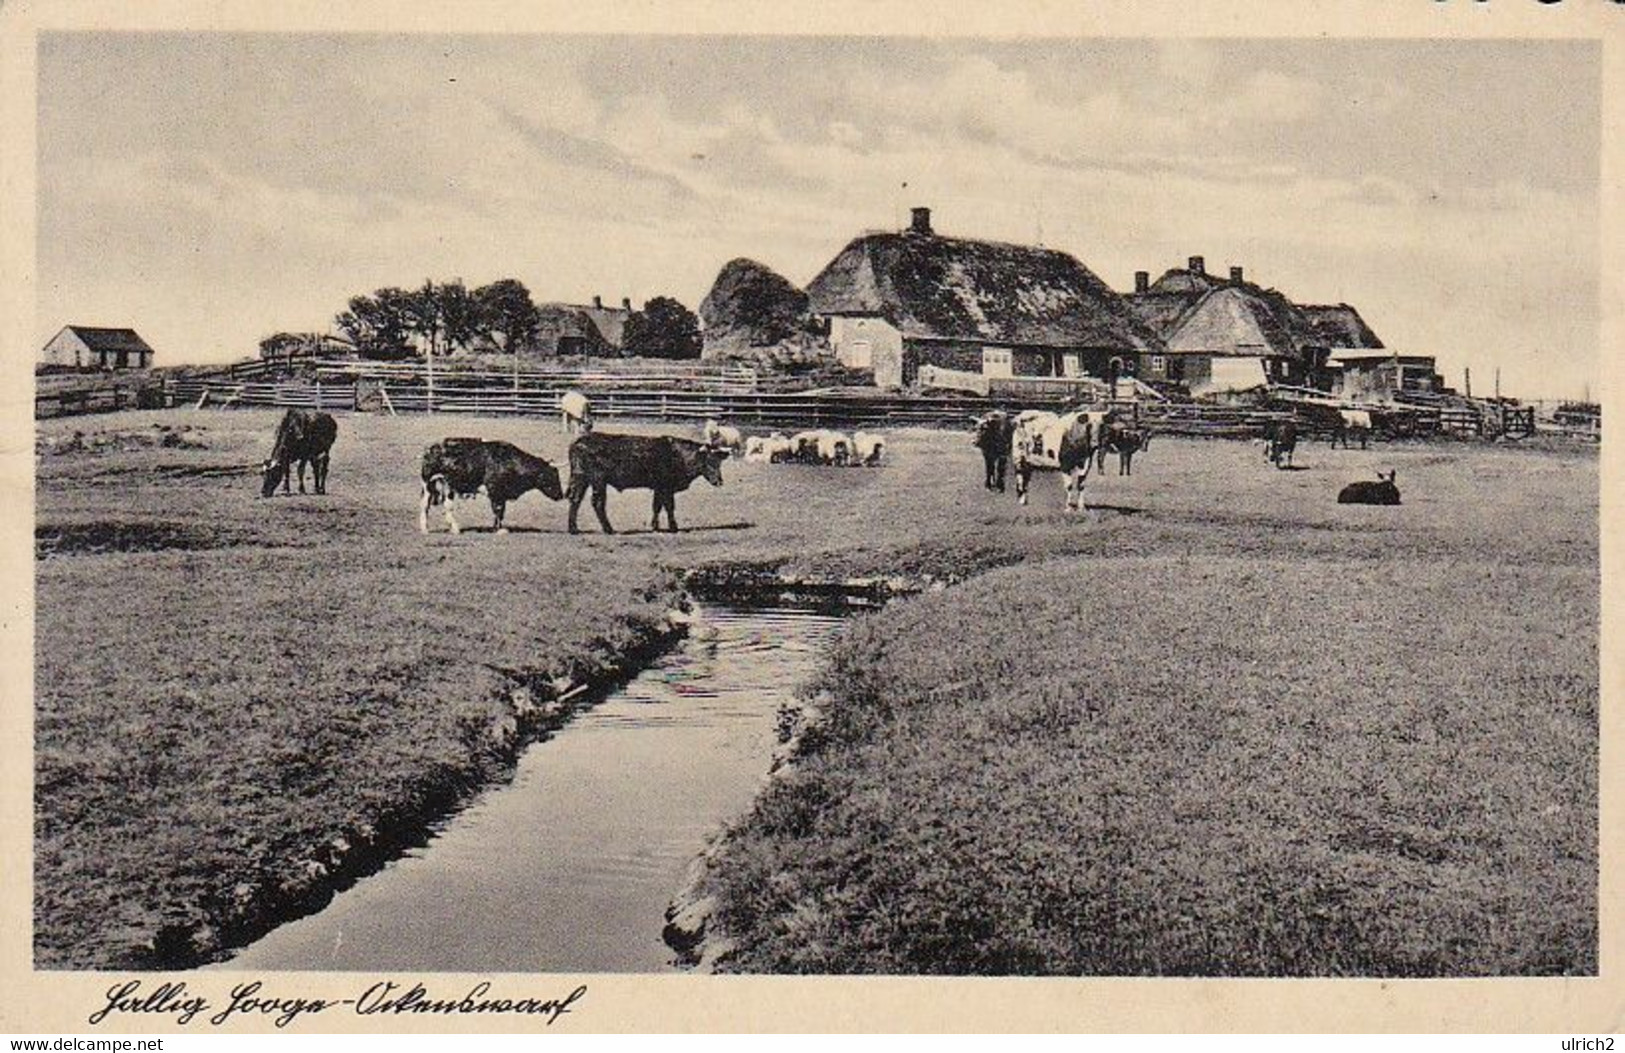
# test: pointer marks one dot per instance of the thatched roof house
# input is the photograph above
(1230, 333)
(896, 302)
(96, 347)
(1340, 325)
(566, 329)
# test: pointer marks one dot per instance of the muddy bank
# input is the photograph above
(535, 704)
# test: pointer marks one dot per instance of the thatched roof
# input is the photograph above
(1198, 312)
(1340, 325)
(1233, 322)
(932, 287)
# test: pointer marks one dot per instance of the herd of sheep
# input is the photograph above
(819, 446)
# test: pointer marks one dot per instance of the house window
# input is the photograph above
(1158, 365)
(997, 362)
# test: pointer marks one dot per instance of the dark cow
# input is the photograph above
(1125, 441)
(1280, 439)
(661, 463)
(304, 437)
(463, 467)
(992, 437)
(1369, 493)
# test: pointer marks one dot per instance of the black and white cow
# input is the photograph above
(660, 463)
(1352, 424)
(1067, 444)
(460, 468)
(304, 437)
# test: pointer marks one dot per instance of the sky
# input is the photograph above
(211, 189)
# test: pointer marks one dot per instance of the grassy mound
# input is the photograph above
(1179, 767)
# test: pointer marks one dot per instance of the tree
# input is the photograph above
(663, 329)
(442, 316)
(280, 345)
(506, 315)
(378, 325)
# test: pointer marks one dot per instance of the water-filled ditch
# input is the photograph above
(570, 866)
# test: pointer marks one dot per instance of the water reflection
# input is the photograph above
(569, 867)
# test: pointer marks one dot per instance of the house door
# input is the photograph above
(1072, 363)
(860, 354)
(996, 362)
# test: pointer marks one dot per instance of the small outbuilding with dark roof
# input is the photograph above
(96, 347)
(897, 301)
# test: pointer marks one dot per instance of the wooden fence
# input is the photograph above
(101, 397)
(759, 409)
(811, 409)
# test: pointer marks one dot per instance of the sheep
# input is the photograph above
(868, 448)
(1369, 493)
(576, 411)
(757, 450)
(834, 447)
(722, 435)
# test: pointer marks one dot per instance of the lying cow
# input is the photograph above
(1280, 439)
(460, 468)
(992, 436)
(1125, 442)
(1369, 493)
(305, 437)
(1066, 444)
(576, 412)
(661, 463)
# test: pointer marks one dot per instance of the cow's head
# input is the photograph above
(546, 480)
(711, 458)
(271, 473)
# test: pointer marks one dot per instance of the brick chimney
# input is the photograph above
(598, 303)
(1198, 265)
(921, 223)
(1142, 281)
(626, 303)
(1235, 274)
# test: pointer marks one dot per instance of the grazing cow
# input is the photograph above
(661, 463)
(1067, 445)
(715, 434)
(457, 468)
(305, 437)
(576, 411)
(1369, 493)
(868, 448)
(1351, 422)
(992, 436)
(1280, 439)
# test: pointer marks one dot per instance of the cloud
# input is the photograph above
(591, 155)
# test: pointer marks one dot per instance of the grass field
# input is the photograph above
(1276, 735)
